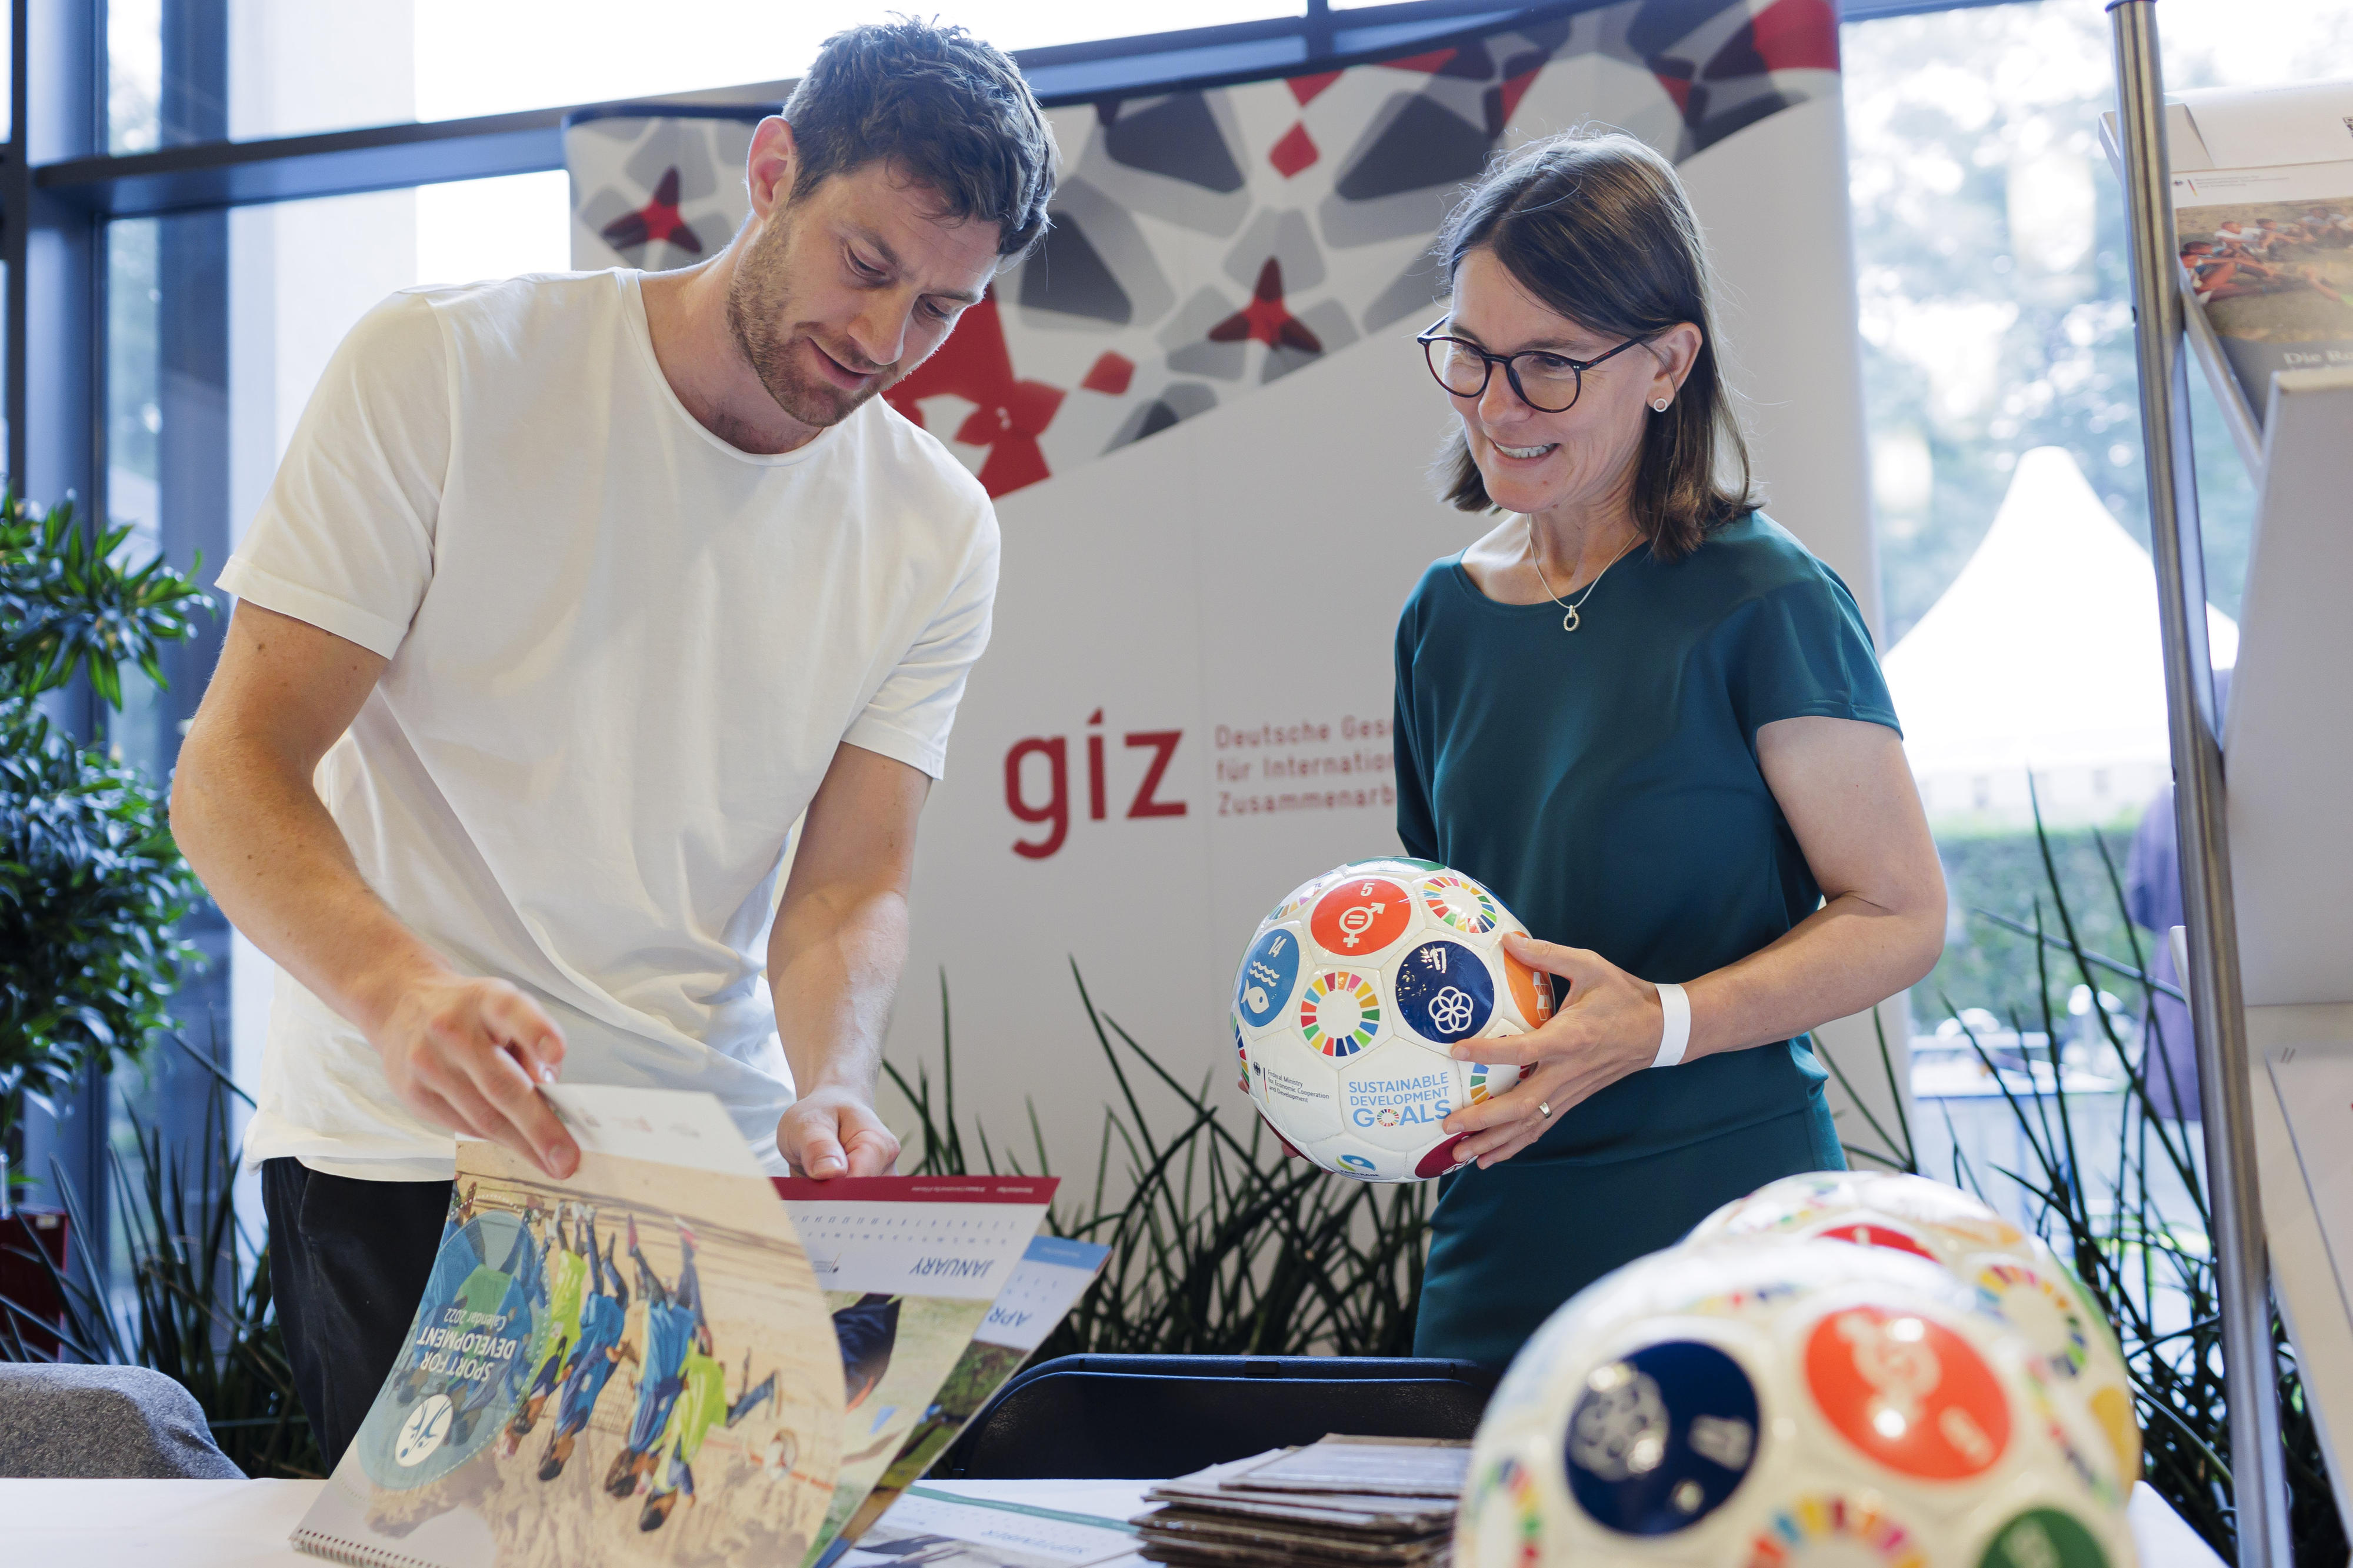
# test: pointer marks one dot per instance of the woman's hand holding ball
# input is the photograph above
(1609, 1027)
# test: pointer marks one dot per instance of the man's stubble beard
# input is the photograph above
(758, 299)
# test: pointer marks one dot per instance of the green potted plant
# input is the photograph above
(91, 882)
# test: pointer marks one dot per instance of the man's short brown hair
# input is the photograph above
(946, 108)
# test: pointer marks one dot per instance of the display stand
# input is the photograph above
(2218, 1021)
(2269, 948)
(2289, 748)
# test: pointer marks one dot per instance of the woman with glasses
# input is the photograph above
(1653, 721)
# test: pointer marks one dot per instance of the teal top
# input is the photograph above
(1605, 783)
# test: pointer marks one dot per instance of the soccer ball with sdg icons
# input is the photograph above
(1350, 997)
(1815, 1404)
(2014, 1274)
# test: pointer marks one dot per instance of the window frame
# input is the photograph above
(59, 189)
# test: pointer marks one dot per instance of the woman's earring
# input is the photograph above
(1659, 403)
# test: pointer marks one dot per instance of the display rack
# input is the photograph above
(2289, 746)
(2202, 820)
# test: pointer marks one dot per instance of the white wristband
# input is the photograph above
(1674, 1032)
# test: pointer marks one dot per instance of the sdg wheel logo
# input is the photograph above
(1461, 903)
(1339, 1013)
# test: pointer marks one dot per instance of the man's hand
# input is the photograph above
(833, 1132)
(470, 1055)
(834, 955)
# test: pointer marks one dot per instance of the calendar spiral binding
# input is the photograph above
(358, 1553)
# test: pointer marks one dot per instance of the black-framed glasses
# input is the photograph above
(1550, 382)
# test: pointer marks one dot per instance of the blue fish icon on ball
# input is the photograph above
(1269, 975)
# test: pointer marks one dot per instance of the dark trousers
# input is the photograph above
(348, 1262)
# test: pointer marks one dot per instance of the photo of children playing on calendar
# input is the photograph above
(636, 1365)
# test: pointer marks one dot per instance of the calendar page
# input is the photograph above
(634, 1364)
(954, 1237)
(910, 1266)
(1053, 1273)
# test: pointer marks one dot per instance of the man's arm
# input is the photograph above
(462, 1051)
(834, 958)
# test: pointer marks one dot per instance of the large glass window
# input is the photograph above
(218, 326)
(1996, 313)
(299, 67)
(218, 323)
(2011, 515)
(1995, 320)
(134, 74)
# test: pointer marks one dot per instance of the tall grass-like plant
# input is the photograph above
(2152, 1273)
(199, 1307)
(1220, 1243)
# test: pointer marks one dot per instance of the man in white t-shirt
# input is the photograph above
(572, 594)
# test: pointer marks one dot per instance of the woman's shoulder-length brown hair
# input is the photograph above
(1596, 226)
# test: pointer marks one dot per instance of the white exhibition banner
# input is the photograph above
(1207, 431)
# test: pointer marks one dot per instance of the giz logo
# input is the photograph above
(1054, 813)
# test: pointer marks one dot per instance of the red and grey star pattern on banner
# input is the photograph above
(1266, 320)
(656, 222)
(1296, 150)
(1011, 413)
(1313, 197)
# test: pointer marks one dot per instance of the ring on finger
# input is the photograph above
(1544, 1109)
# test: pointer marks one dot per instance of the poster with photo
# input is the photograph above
(2268, 253)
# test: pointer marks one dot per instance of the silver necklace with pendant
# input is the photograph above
(1568, 622)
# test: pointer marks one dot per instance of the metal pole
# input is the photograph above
(2258, 1462)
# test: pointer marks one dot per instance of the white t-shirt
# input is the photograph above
(623, 655)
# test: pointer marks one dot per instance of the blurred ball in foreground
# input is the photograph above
(2013, 1273)
(1811, 1401)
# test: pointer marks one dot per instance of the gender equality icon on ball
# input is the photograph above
(1362, 915)
(1444, 992)
(1268, 973)
(1909, 1391)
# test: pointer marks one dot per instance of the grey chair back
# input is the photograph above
(103, 1422)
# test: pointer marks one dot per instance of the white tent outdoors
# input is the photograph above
(2041, 656)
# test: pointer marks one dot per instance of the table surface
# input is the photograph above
(217, 1524)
